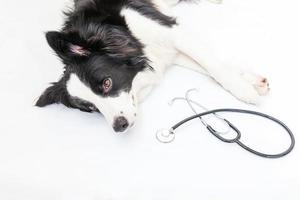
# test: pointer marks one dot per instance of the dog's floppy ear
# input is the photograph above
(65, 46)
(57, 93)
(53, 94)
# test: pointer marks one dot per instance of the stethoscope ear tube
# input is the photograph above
(223, 139)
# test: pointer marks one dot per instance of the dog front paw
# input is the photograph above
(247, 94)
(83, 105)
(260, 84)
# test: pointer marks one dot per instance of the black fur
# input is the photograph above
(95, 43)
(147, 8)
(57, 93)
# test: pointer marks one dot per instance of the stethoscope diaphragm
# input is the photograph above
(165, 136)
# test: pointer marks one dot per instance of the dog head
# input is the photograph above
(102, 59)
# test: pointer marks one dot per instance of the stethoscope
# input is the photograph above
(168, 135)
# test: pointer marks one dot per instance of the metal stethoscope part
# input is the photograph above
(204, 122)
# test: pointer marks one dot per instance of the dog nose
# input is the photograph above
(120, 124)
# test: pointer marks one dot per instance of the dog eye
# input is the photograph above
(107, 85)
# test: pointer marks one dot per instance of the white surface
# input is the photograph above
(57, 153)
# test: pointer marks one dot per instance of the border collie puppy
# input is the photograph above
(115, 51)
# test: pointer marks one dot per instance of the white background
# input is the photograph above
(62, 154)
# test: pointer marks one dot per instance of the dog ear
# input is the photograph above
(53, 94)
(57, 93)
(65, 48)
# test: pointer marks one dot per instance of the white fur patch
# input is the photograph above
(111, 107)
(157, 38)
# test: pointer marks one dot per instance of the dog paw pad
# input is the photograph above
(260, 84)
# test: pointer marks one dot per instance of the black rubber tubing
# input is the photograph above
(237, 139)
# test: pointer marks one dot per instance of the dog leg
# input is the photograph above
(187, 62)
(82, 105)
(246, 87)
(57, 93)
(260, 83)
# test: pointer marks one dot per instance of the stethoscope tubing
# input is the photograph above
(237, 139)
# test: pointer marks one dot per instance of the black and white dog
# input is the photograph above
(115, 51)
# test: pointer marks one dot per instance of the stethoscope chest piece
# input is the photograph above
(165, 136)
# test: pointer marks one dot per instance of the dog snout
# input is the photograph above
(120, 124)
